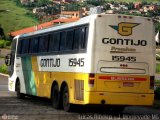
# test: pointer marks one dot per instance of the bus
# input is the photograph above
(102, 59)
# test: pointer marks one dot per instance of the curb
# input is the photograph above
(6, 75)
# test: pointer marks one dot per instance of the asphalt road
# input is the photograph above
(34, 108)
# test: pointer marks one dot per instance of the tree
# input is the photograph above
(41, 3)
(130, 6)
(72, 7)
(2, 36)
(157, 26)
(95, 2)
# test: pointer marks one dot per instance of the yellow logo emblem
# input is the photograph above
(125, 28)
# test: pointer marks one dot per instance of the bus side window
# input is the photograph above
(69, 40)
(76, 39)
(54, 42)
(19, 47)
(63, 41)
(34, 45)
(24, 46)
(43, 43)
(82, 40)
(84, 43)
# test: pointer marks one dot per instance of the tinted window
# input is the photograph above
(76, 38)
(34, 45)
(84, 43)
(43, 43)
(25, 46)
(19, 46)
(80, 38)
(14, 42)
(69, 40)
(54, 42)
(63, 41)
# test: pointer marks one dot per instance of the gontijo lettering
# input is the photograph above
(50, 62)
(119, 41)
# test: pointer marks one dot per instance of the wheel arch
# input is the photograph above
(64, 83)
(53, 84)
(17, 80)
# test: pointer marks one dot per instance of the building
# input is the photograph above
(37, 10)
(112, 11)
(137, 5)
(147, 8)
(24, 2)
(42, 26)
(63, 1)
(71, 14)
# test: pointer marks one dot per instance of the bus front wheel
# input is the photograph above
(18, 90)
(66, 105)
(55, 97)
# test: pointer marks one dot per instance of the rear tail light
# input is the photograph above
(91, 75)
(91, 79)
(152, 80)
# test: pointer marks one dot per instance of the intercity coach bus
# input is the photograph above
(106, 59)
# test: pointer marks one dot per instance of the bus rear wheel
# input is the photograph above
(18, 90)
(65, 99)
(55, 97)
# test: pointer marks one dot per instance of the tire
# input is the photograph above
(65, 100)
(55, 97)
(18, 90)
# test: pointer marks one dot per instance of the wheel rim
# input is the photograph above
(66, 104)
(55, 97)
(66, 101)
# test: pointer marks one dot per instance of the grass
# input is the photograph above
(3, 69)
(13, 18)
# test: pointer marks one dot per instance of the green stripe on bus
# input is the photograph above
(28, 76)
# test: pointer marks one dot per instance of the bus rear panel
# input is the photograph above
(124, 61)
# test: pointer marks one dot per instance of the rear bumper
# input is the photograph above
(119, 98)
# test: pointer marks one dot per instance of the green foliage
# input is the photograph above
(4, 43)
(14, 18)
(157, 93)
(95, 2)
(143, 1)
(3, 69)
(31, 15)
(72, 7)
(157, 68)
(157, 27)
(40, 3)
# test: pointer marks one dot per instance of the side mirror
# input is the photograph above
(8, 60)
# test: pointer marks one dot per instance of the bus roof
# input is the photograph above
(82, 21)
